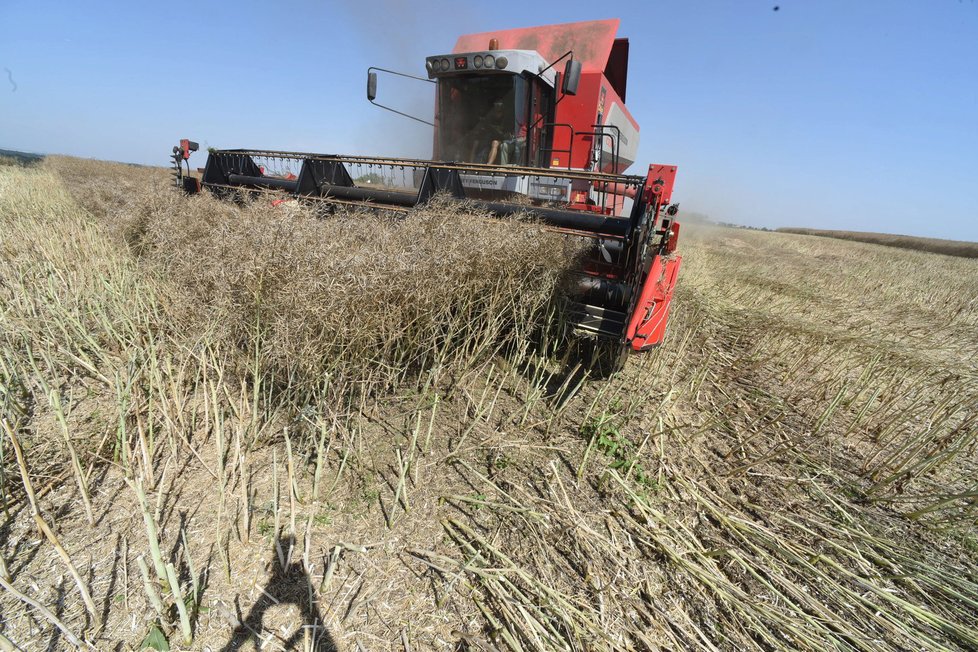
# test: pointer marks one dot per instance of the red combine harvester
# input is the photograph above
(526, 120)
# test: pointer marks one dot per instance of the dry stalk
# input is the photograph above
(6, 645)
(80, 477)
(334, 558)
(149, 587)
(244, 482)
(194, 581)
(181, 605)
(275, 507)
(43, 527)
(152, 531)
(44, 611)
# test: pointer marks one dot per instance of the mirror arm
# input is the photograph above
(400, 74)
(558, 81)
(406, 115)
(387, 108)
(569, 53)
(558, 77)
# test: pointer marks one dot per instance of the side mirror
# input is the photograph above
(371, 86)
(572, 77)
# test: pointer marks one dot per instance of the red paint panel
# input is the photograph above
(647, 327)
(590, 40)
(665, 173)
(581, 111)
(673, 242)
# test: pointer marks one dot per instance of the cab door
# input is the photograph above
(540, 116)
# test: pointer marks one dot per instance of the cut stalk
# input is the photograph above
(44, 611)
(43, 527)
(178, 600)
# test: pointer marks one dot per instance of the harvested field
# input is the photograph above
(933, 245)
(233, 427)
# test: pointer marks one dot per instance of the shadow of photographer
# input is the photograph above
(288, 585)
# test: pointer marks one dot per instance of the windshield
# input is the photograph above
(482, 119)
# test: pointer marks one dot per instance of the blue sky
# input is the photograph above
(831, 114)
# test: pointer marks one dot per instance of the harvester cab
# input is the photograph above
(493, 106)
(526, 121)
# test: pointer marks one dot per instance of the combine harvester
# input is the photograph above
(526, 121)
